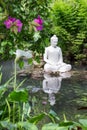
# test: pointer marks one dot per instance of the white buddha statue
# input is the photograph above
(54, 59)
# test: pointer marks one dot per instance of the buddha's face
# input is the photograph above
(54, 42)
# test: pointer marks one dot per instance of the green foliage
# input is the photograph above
(21, 125)
(69, 24)
(7, 125)
(18, 96)
(30, 61)
(84, 123)
(37, 118)
(27, 126)
(21, 63)
(6, 49)
(50, 126)
(26, 11)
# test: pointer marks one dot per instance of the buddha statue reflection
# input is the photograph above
(54, 59)
(51, 86)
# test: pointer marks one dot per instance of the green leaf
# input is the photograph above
(37, 118)
(26, 109)
(21, 63)
(1, 112)
(30, 61)
(62, 128)
(36, 36)
(53, 114)
(84, 123)
(30, 28)
(27, 126)
(2, 89)
(2, 50)
(8, 125)
(11, 52)
(19, 96)
(37, 58)
(68, 123)
(4, 43)
(14, 29)
(50, 126)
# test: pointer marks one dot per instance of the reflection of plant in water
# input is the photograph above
(39, 103)
(81, 99)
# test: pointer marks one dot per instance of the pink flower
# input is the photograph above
(11, 22)
(8, 23)
(39, 21)
(19, 24)
(11, 19)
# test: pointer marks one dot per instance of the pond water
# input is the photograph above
(67, 95)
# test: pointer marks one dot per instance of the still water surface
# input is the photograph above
(64, 95)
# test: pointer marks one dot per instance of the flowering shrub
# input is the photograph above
(14, 24)
(39, 23)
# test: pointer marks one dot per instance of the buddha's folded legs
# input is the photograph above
(65, 68)
(50, 68)
(60, 68)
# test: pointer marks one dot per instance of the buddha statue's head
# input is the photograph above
(54, 40)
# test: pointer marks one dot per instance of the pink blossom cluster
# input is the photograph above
(11, 22)
(39, 22)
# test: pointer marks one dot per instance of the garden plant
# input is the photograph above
(28, 25)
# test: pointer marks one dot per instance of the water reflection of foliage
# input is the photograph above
(81, 101)
(38, 102)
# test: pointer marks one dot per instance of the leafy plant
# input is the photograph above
(29, 38)
(69, 23)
